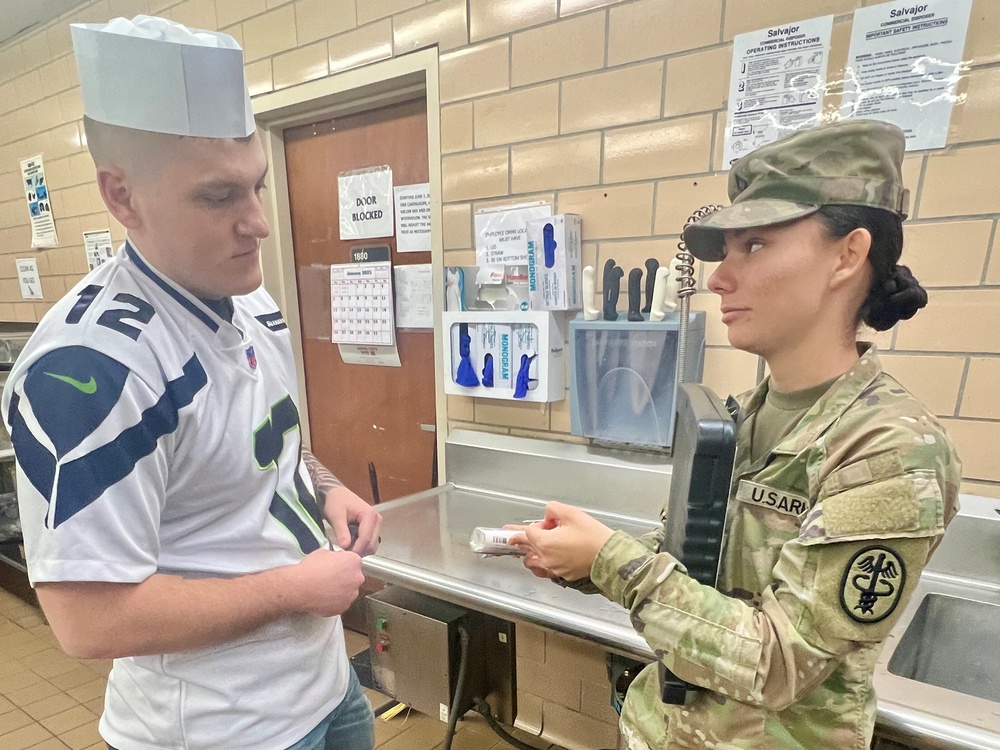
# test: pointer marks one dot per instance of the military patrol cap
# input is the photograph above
(849, 162)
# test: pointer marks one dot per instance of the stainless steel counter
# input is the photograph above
(425, 547)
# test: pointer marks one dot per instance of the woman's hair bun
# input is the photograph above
(895, 299)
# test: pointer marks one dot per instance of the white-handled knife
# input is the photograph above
(589, 311)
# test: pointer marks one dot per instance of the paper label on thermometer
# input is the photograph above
(486, 541)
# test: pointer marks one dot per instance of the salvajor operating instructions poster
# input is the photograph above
(904, 64)
(777, 83)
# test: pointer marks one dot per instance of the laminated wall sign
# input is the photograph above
(36, 191)
(777, 84)
(904, 64)
(366, 203)
(99, 247)
(501, 236)
(413, 218)
(414, 296)
(28, 279)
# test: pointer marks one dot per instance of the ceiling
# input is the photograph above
(20, 16)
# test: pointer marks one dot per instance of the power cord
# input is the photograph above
(479, 705)
(463, 664)
(484, 710)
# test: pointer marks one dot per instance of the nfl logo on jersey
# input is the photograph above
(252, 358)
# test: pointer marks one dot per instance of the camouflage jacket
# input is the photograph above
(826, 539)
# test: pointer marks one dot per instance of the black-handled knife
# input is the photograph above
(651, 265)
(634, 295)
(612, 288)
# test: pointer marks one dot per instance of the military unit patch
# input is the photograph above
(873, 584)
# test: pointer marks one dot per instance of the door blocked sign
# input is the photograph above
(366, 203)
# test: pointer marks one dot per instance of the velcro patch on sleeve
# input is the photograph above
(873, 469)
(880, 508)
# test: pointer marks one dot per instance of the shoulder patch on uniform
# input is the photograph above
(272, 321)
(71, 391)
(889, 506)
(873, 584)
(771, 498)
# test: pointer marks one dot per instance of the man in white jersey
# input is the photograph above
(172, 519)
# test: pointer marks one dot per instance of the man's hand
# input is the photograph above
(342, 507)
(327, 582)
(564, 544)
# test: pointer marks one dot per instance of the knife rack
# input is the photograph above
(547, 369)
(623, 377)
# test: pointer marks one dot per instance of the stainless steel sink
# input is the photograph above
(951, 643)
(938, 678)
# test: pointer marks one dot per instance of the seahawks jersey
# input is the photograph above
(154, 436)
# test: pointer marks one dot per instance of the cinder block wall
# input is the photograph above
(614, 110)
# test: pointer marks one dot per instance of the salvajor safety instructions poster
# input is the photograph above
(36, 192)
(904, 64)
(777, 83)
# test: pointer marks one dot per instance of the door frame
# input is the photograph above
(377, 85)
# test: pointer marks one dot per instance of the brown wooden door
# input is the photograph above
(363, 414)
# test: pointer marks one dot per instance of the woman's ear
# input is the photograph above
(852, 258)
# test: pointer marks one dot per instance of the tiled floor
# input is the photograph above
(51, 701)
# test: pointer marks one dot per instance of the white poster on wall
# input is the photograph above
(777, 84)
(28, 279)
(99, 247)
(501, 236)
(414, 296)
(365, 203)
(904, 64)
(36, 191)
(413, 218)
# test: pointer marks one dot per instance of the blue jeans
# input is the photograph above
(350, 726)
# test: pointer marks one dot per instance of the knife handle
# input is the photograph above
(611, 295)
(652, 265)
(634, 292)
(660, 283)
(589, 311)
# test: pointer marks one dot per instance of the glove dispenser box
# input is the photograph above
(504, 355)
(623, 377)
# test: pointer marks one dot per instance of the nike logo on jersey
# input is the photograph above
(90, 387)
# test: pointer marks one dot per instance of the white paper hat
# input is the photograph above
(153, 74)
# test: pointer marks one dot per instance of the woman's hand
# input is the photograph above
(564, 544)
(530, 559)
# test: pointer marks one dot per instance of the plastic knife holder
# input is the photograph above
(623, 377)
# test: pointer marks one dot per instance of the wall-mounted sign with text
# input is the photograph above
(366, 203)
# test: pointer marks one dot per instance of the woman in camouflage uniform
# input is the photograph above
(843, 481)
